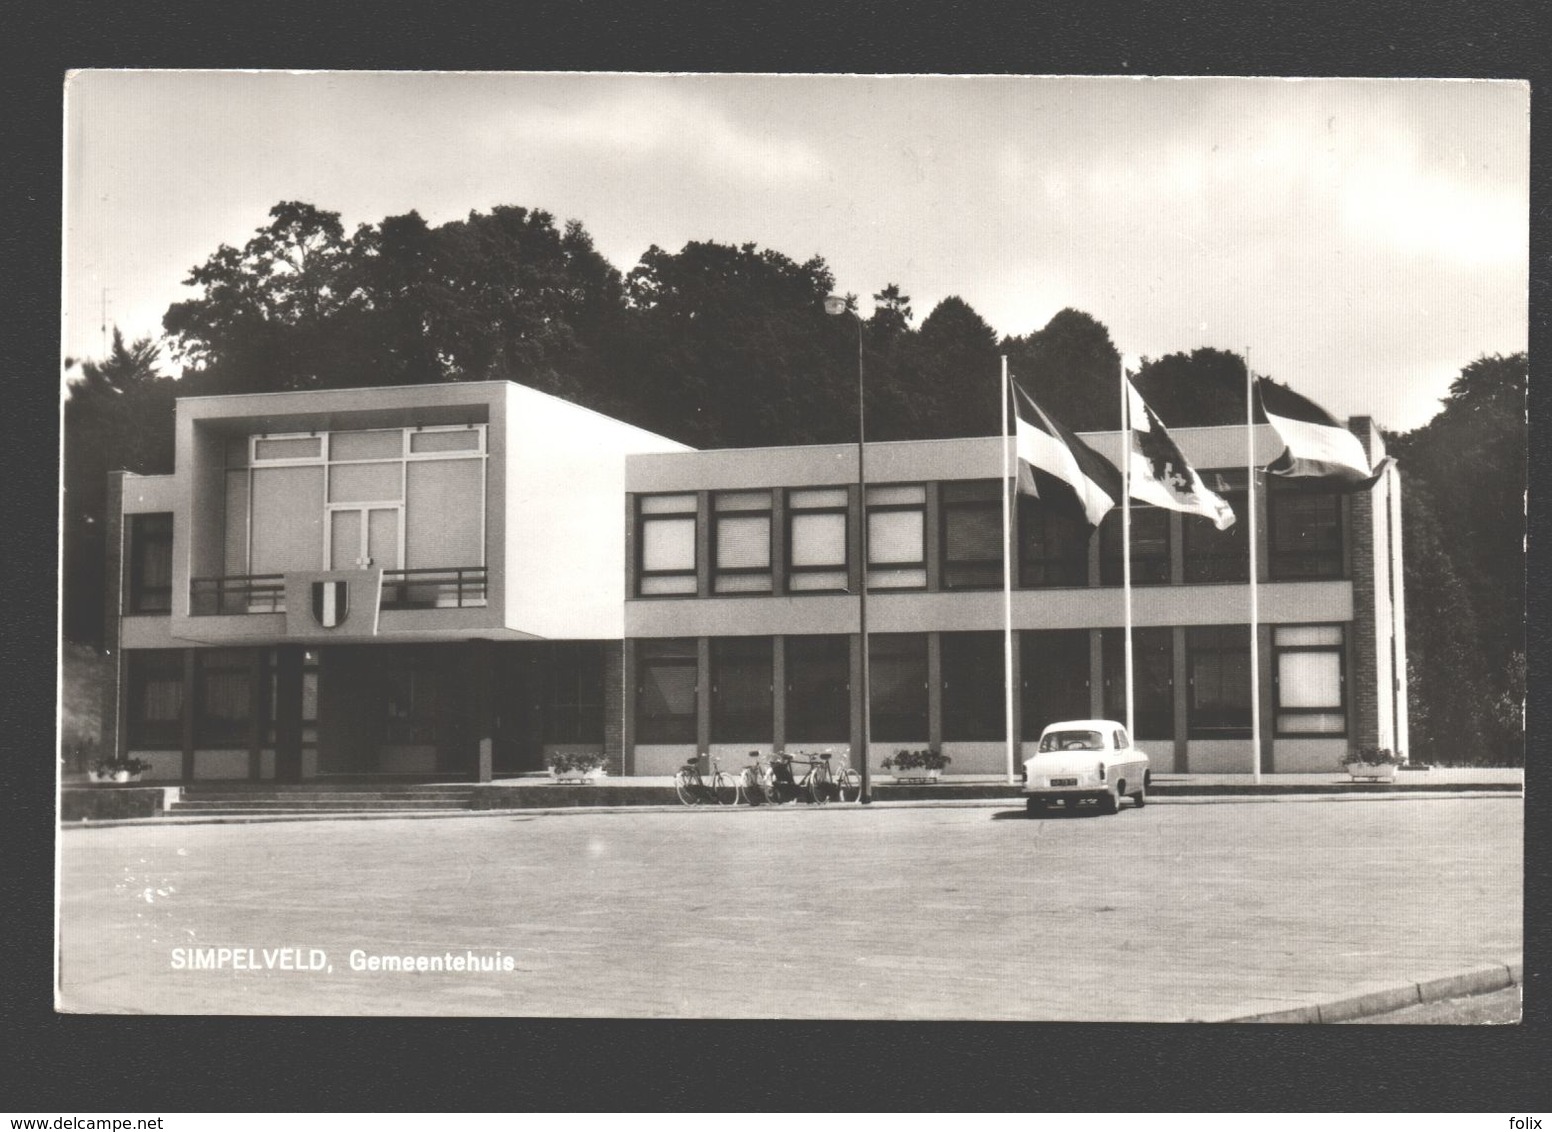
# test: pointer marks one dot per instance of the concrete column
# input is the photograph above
(855, 517)
(703, 521)
(779, 692)
(190, 708)
(258, 682)
(614, 706)
(1264, 748)
(289, 660)
(703, 699)
(1096, 674)
(1181, 687)
(855, 680)
(484, 693)
(1177, 549)
(778, 541)
(627, 691)
(935, 691)
(933, 538)
(1016, 682)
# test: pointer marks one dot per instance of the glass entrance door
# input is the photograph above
(363, 537)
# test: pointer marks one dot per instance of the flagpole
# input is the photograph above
(1126, 533)
(1250, 506)
(1007, 578)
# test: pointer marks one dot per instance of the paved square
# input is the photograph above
(1183, 910)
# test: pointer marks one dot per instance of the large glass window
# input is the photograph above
(574, 692)
(972, 534)
(1218, 668)
(816, 540)
(974, 691)
(897, 537)
(306, 502)
(150, 563)
(1150, 547)
(1053, 548)
(1212, 555)
(665, 539)
(898, 686)
(155, 708)
(223, 697)
(818, 689)
(1305, 533)
(742, 700)
(741, 542)
(665, 690)
(1310, 680)
(1054, 678)
(1153, 682)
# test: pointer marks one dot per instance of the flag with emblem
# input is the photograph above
(1059, 469)
(1159, 472)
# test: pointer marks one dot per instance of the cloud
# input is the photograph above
(667, 127)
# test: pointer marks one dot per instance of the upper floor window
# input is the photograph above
(816, 539)
(741, 542)
(1212, 555)
(396, 498)
(1053, 548)
(1305, 533)
(897, 536)
(972, 534)
(150, 563)
(665, 539)
(1150, 546)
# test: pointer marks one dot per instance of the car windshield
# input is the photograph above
(1072, 741)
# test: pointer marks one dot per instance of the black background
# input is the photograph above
(149, 1065)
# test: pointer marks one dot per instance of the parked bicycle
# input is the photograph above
(846, 780)
(783, 777)
(695, 789)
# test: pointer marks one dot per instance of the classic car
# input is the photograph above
(1086, 760)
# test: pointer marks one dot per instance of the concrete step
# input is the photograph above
(456, 797)
(186, 810)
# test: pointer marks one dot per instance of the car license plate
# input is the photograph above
(1064, 782)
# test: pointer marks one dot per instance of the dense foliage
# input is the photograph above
(720, 345)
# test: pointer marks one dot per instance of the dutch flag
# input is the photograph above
(1315, 443)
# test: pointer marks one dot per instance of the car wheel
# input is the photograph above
(1035, 807)
(1108, 803)
(1141, 797)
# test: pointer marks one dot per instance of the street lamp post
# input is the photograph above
(835, 304)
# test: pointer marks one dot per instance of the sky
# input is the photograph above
(1361, 239)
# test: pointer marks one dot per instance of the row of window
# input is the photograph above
(421, 701)
(799, 540)
(1309, 679)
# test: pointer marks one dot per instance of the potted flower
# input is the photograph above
(576, 766)
(118, 770)
(1374, 763)
(917, 766)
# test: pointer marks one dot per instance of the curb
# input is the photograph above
(1016, 802)
(1481, 980)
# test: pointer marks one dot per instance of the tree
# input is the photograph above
(946, 379)
(119, 415)
(1072, 369)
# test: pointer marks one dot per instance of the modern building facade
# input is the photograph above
(457, 580)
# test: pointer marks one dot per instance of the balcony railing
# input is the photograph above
(458, 587)
(240, 593)
(451, 588)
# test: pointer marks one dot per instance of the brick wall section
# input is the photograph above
(614, 707)
(113, 737)
(1364, 685)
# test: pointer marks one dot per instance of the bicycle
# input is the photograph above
(695, 789)
(815, 783)
(847, 782)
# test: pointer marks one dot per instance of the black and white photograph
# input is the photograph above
(793, 547)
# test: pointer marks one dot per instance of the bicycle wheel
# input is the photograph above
(688, 786)
(724, 788)
(819, 784)
(849, 784)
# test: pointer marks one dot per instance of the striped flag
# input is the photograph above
(1315, 443)
(1059, 469)
(1159, 472)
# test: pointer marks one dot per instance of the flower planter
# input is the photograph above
(1372, 772)
(112, 776)
(576, 776)
(916, 776)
